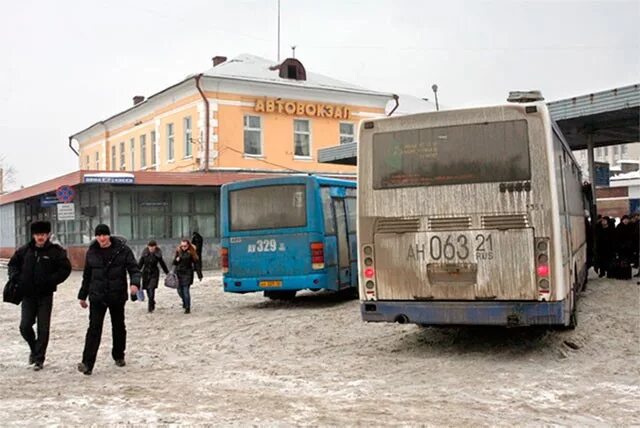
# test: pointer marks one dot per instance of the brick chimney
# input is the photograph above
(138, 99)
(217, 60)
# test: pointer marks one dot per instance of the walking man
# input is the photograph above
(38, 267)
(104, 281)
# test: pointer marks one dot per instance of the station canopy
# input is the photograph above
(611, 117)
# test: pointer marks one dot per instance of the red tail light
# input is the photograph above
(543, 270)
(369, 272)
(224, 259)
(317, 255)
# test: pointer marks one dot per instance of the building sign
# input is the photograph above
(66, 212)
(109, 178)
(48, 201)
(601, 177)
(298, 108)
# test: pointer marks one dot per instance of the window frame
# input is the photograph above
(187, 132)
(246, 128)
(170, 142)
(97, 160)
(143, 151)
(113, 158)
(352, 135)
(154, 146)
(308, 134)
(123, 164)
(132, 151)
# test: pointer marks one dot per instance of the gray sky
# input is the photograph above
(70, 63)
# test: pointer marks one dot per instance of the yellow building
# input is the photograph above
(244, 114)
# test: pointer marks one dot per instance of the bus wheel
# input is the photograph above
(349, 293)
(280, 295)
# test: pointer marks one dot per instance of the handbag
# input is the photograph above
(12, 293)
(171, 280)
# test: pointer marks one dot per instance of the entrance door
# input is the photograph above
(344, 271)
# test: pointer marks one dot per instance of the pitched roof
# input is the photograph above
(258, 69)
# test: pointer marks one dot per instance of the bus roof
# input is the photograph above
(289, 179)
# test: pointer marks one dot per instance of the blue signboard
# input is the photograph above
(602, 174)
(634, 206)
(49, 201)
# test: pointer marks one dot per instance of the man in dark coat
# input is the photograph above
(198, 242)
(104, 281)
(38, 267)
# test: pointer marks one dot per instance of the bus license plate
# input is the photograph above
(267, 284)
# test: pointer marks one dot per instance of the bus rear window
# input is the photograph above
(475, 153)
(268, 207)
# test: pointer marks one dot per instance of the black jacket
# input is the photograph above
(148, 264)
(105, 278)
(38, 271)
(186, 265)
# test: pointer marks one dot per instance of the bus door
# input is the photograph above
(342, 237)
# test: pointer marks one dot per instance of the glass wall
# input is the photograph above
(142, 214)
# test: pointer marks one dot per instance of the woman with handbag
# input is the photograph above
(186, 262)
(149, 260)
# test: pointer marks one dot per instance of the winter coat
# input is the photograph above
(148, 265)
(38, 271)
(186, 265)
(197, 241)
(604, 243)
(106, 279)
(624, 241)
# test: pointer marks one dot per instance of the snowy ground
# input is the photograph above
(242, 360)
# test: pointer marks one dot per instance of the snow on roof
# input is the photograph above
(615, 168)
(632, 161)
(627, 176)
(258, 69)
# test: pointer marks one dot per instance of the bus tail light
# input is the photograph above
(542, 267)
(224, 259)
(317, 255)
(368, 270)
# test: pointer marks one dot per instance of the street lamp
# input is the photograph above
(434, 88)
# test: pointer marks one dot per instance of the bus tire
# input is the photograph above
(573, 318)
(280, 294)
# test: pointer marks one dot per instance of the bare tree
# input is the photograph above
(7, 175)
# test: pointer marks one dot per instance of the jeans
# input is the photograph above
(36, 308)
(97, 312)
(185, 295)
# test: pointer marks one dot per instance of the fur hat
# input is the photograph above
(102, 229)
(40, 227)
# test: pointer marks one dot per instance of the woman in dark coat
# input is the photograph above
(625, 241)
(186, 262)
(149, 260)
(604, 246)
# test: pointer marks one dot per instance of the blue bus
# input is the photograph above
(284, 234)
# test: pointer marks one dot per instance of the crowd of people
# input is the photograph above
(38, 267)
(617, 246)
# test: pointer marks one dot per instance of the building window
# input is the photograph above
(153, 148)
(347, 132)
(113, 158)
(97, 159)
(606, 151)
(170, 141)
(132, 148)
(122, 165)
(188, 143)
(88, 162)
(253, 135)
(143, 151)
(302, 138)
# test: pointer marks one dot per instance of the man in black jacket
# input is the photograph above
(38, 268)
(104, 281)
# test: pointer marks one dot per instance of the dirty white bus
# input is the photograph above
(470, 217)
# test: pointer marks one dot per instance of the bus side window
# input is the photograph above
(327, 211)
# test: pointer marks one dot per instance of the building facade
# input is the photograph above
(154, 170)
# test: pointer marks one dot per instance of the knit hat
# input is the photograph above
(40, 227)
(102, 229)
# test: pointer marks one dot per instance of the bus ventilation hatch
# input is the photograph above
(449, 223)
(513, 221)
(397, 225)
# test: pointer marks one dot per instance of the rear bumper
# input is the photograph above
(296, 282)
(467, 313)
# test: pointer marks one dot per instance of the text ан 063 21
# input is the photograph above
(453, 247)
